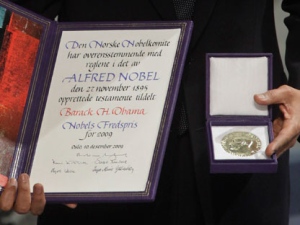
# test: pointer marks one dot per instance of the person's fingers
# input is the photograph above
(7, 198)
(38, 200)
(279, 145)
(23, 199)
(275, 96)
(71, 205)
(285, 136)
(277, 126)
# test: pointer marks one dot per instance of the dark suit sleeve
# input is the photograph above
(292, 57)
(47, 8)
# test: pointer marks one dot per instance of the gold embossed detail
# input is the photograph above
(241, 143)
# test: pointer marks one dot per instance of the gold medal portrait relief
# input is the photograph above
(241, 143)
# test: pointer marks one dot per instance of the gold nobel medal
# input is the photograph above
(241, 143)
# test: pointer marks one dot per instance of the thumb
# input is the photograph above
(262, 99)
(274, 96)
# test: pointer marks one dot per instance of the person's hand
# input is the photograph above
(286, 129)
(16, 196)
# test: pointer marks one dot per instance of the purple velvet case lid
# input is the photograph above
(268, 165)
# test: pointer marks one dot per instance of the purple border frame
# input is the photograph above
(40, 84)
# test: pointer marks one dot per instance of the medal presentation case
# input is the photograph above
(239, 129)
(96, 103)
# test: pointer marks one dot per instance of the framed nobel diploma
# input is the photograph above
(98, 106)
(239, 130)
